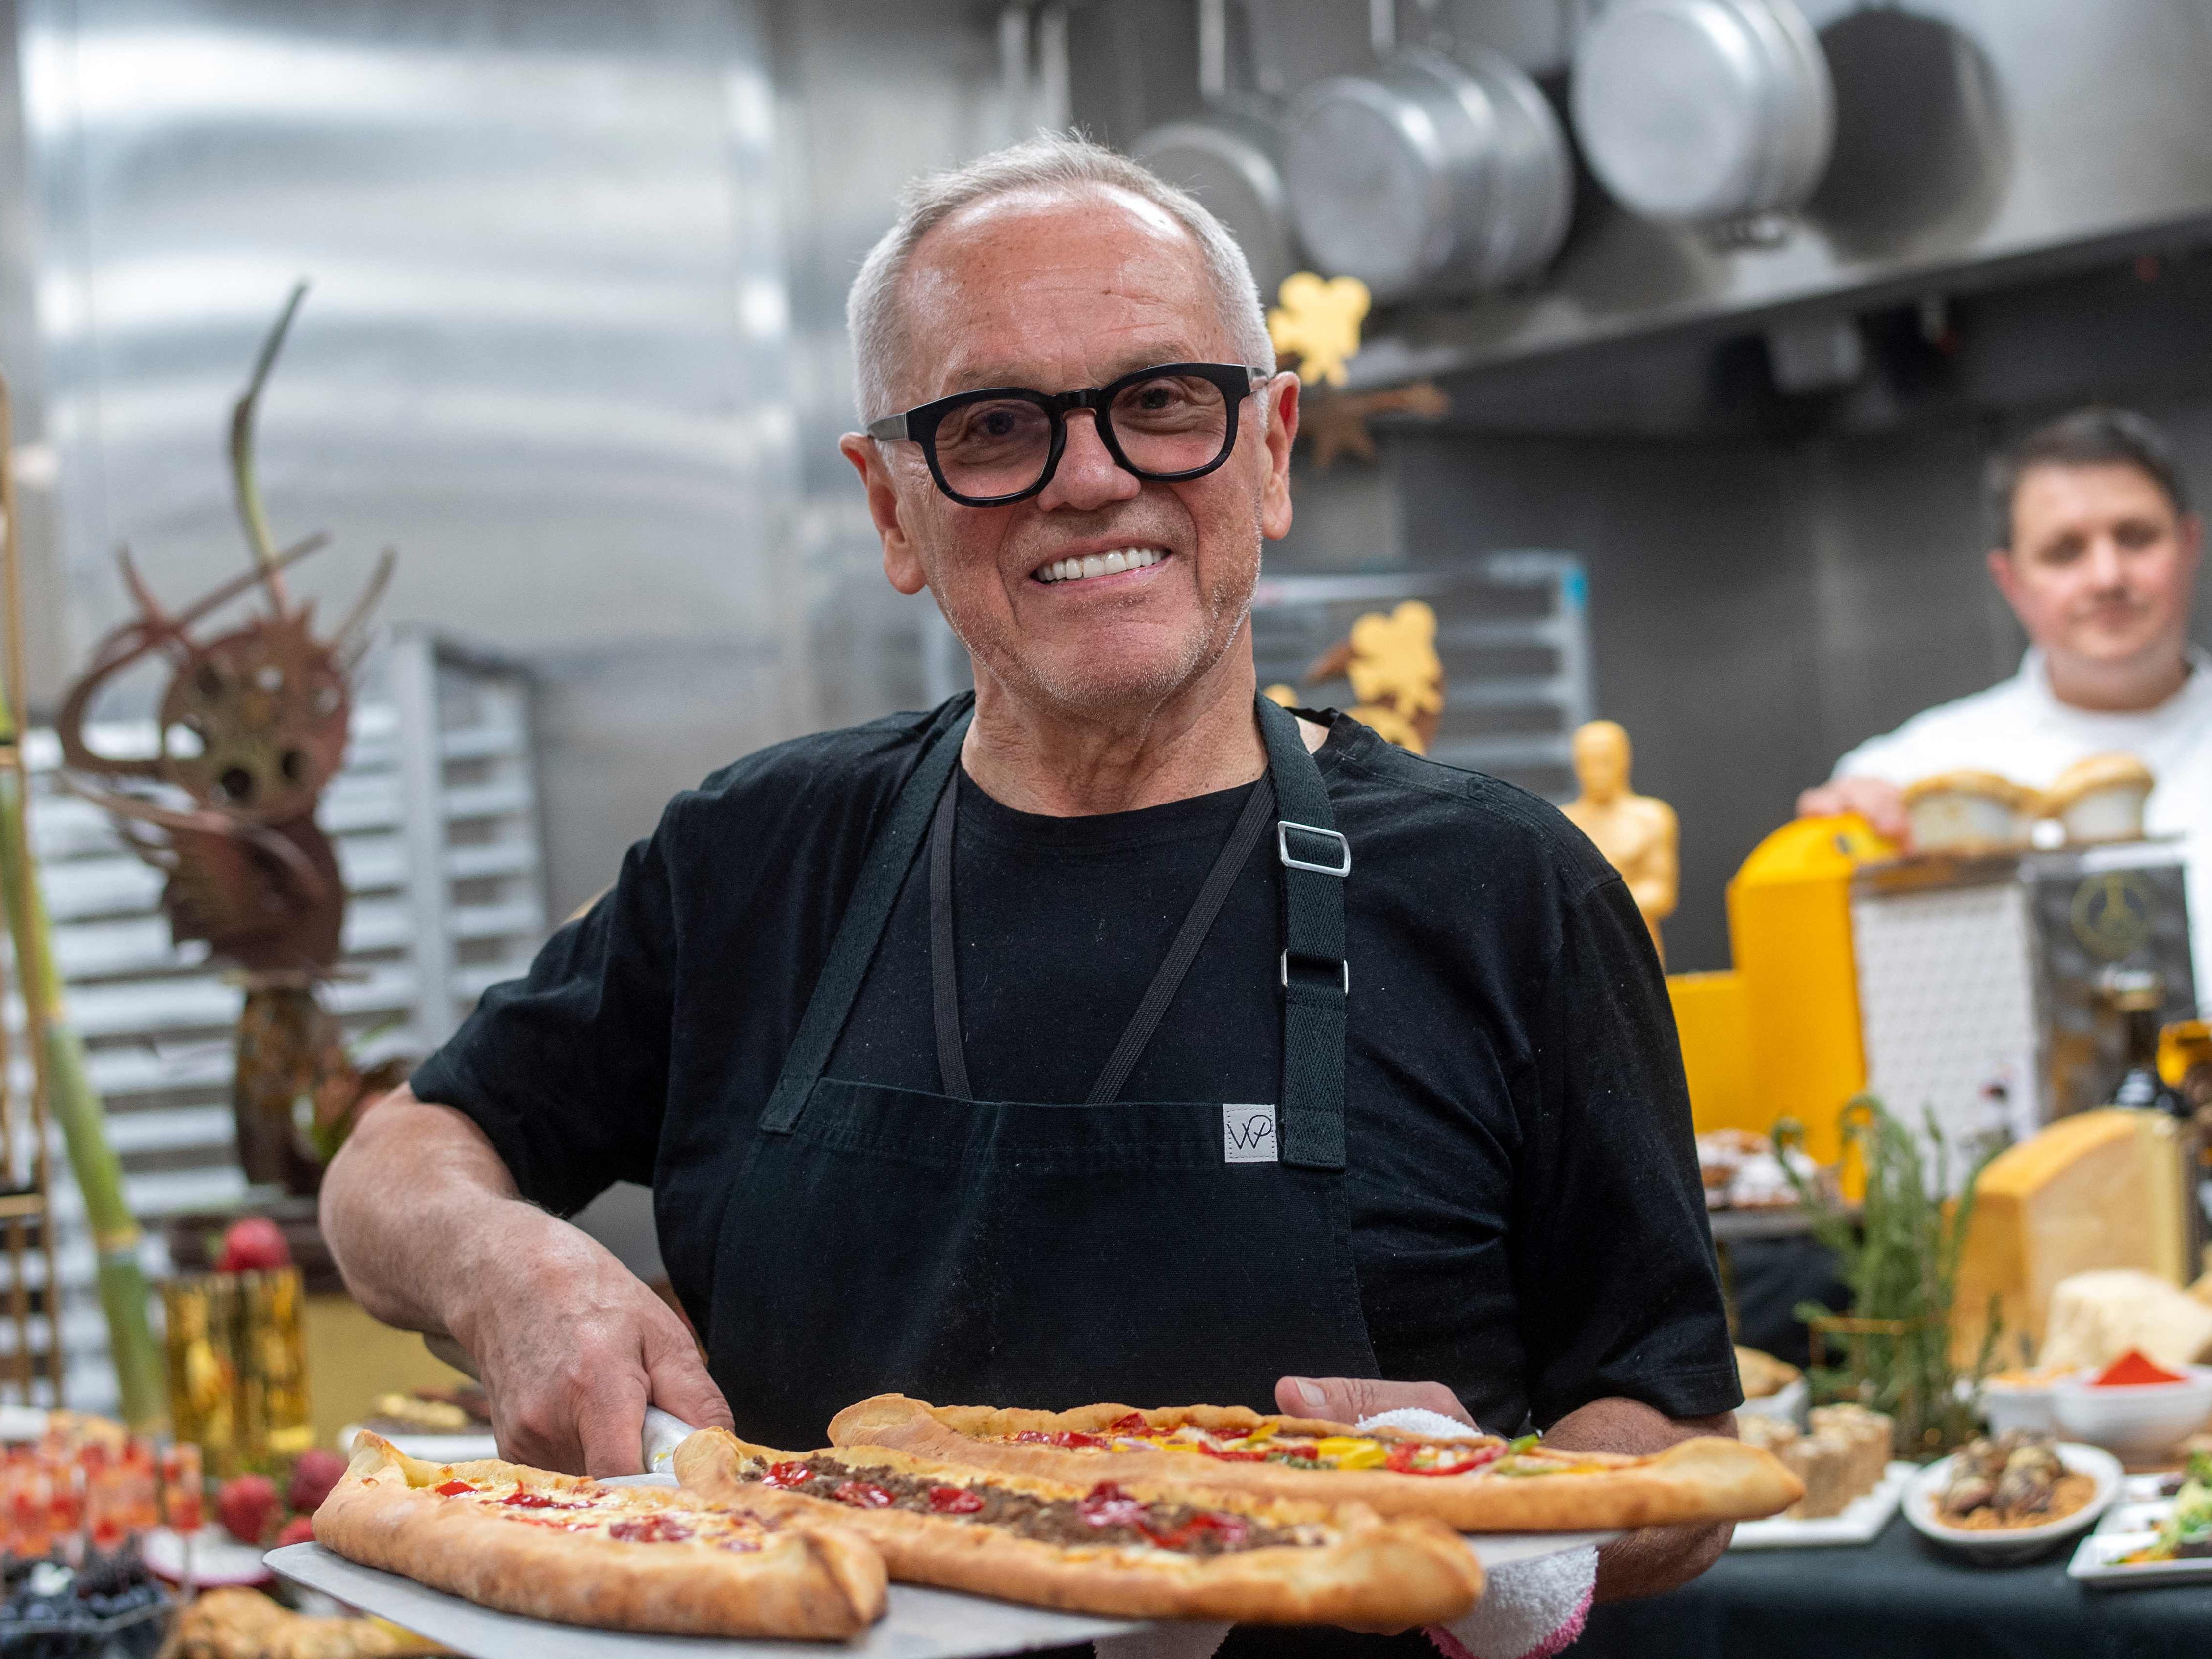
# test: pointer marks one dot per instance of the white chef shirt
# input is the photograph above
(2019, 729)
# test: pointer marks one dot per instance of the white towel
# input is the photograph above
(1529, 1609)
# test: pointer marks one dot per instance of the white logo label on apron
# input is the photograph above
(1247, 1134)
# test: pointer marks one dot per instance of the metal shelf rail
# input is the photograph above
(1512, 627)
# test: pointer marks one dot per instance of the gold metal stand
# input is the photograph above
(26, 1173)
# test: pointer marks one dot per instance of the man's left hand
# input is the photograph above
(1349, 1399)
(1645, 1562)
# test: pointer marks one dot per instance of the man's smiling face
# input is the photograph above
(1055, 291)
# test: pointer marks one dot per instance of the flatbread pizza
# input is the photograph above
(1099, 1547)
(1472, 1482)
(617, 1558)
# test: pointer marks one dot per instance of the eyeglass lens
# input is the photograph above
(1000, 446)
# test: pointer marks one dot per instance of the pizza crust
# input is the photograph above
(808, 1579)
(1695, 1482)
(1372, 1575)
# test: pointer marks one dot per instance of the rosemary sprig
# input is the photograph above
(1900, 1258)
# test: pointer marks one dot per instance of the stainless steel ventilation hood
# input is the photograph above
(1980, 143)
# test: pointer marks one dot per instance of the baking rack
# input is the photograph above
(26, 1235)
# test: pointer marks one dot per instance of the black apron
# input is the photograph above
(1012, 1252)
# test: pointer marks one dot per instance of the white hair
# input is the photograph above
(1050, 162)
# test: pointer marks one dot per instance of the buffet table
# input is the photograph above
(1896, 1596)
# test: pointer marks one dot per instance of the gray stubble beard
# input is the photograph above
(994, 650)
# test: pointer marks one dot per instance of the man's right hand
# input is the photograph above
(1879, 803)
(571, 1346)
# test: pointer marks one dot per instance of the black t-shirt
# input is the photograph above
(1527, 1223)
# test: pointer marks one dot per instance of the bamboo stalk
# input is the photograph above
(57, 1050)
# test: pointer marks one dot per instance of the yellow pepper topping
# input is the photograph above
(1349, 1452)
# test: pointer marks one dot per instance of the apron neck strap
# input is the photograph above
(866, 914)
(1316, 981)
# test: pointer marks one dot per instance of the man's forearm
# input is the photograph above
(1651, 1560)
(413, 1203)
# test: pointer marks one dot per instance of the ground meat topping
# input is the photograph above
(1106, 1515)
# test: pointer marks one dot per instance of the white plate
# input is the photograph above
(217, 1558)
(1786, 1404)
(430, 1448)
(2014, 1543)
(2143, 1488)
(2146, 1515)
(22, 1422)
(2096, 1563)
(1860, 1523)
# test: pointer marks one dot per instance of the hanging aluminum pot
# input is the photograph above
(1430, 176)
(1229, 159)
(1704, 111)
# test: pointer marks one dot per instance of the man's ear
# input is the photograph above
(902, 563)
(1282, 406)
(2005, 576)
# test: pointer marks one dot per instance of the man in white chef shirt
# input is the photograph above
(2100, 565)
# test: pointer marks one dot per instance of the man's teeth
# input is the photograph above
(1099, 564)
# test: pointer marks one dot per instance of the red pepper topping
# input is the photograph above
(2134, 1369)
(1402, 1452)
(530, 1500)
(1227, 1527)
(650, 1529)
(954, 1500)
(1294, 1450)
(786, 1475)
(1233, 1456)
(454, 1489)
(1069, 1438)
(1134, 1423)
(1106, 1505)
(864, 1495)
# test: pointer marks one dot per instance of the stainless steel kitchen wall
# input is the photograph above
(545, 356)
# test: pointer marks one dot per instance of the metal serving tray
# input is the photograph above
(920, 1624)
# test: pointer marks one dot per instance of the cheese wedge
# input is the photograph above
(2099, 1190)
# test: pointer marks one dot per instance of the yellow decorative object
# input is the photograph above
(1712, 1017)
(1789, 929)
(2099, 1190)
(1639, 835)
(1395, 673)
(1318, 323)
(1285, 695)
(2183, 1047)
(1395, 661)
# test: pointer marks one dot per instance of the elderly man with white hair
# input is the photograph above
(1108, 1034)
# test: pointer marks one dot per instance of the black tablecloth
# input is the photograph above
(1897, 1599)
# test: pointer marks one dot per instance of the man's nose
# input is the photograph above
(2107, 567)
(1087, 478)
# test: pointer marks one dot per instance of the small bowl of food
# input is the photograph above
(1970, 812)
(2020, 1400)
(2134, 1406)
(2099, 798)
(2011, 1498)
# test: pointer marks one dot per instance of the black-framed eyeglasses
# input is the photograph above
(1003, 444)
